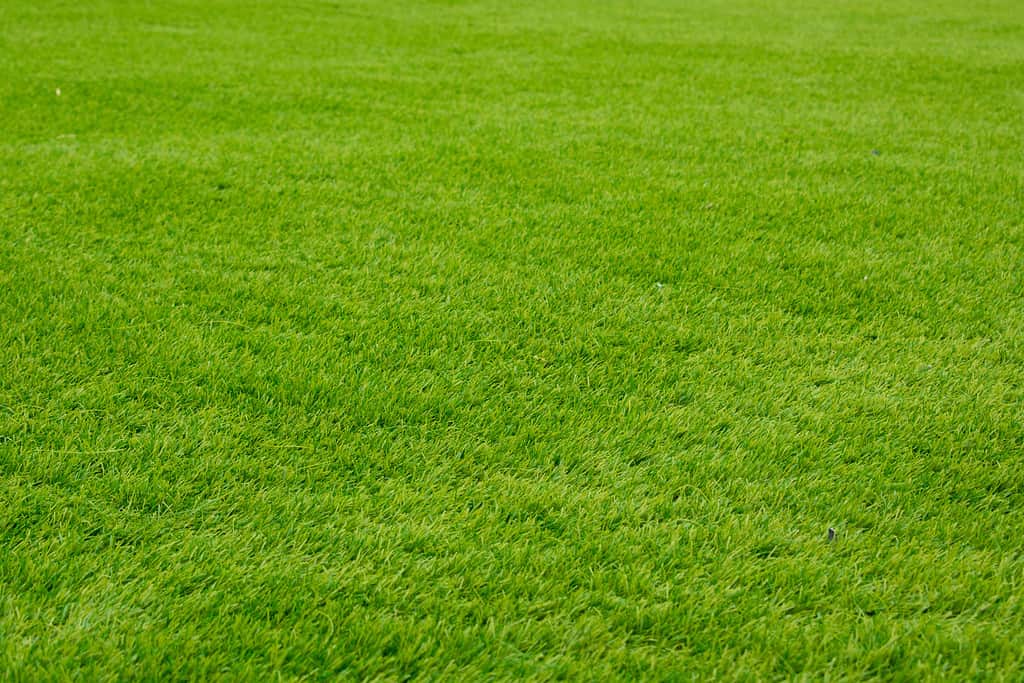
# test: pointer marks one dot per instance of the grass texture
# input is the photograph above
(490, 340)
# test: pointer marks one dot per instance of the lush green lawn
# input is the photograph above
(515, 339)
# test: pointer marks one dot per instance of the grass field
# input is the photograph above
(498, 340)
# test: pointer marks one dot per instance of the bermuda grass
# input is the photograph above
(489, 340)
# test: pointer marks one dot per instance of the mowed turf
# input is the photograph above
(490, 340)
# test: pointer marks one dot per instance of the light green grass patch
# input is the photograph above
(488, 340)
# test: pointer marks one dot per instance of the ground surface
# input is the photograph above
(511, 339)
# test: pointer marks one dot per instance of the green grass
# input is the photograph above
(490, 340)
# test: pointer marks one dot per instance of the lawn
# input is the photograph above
(490, 340)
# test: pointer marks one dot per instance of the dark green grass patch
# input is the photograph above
(544, 340)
